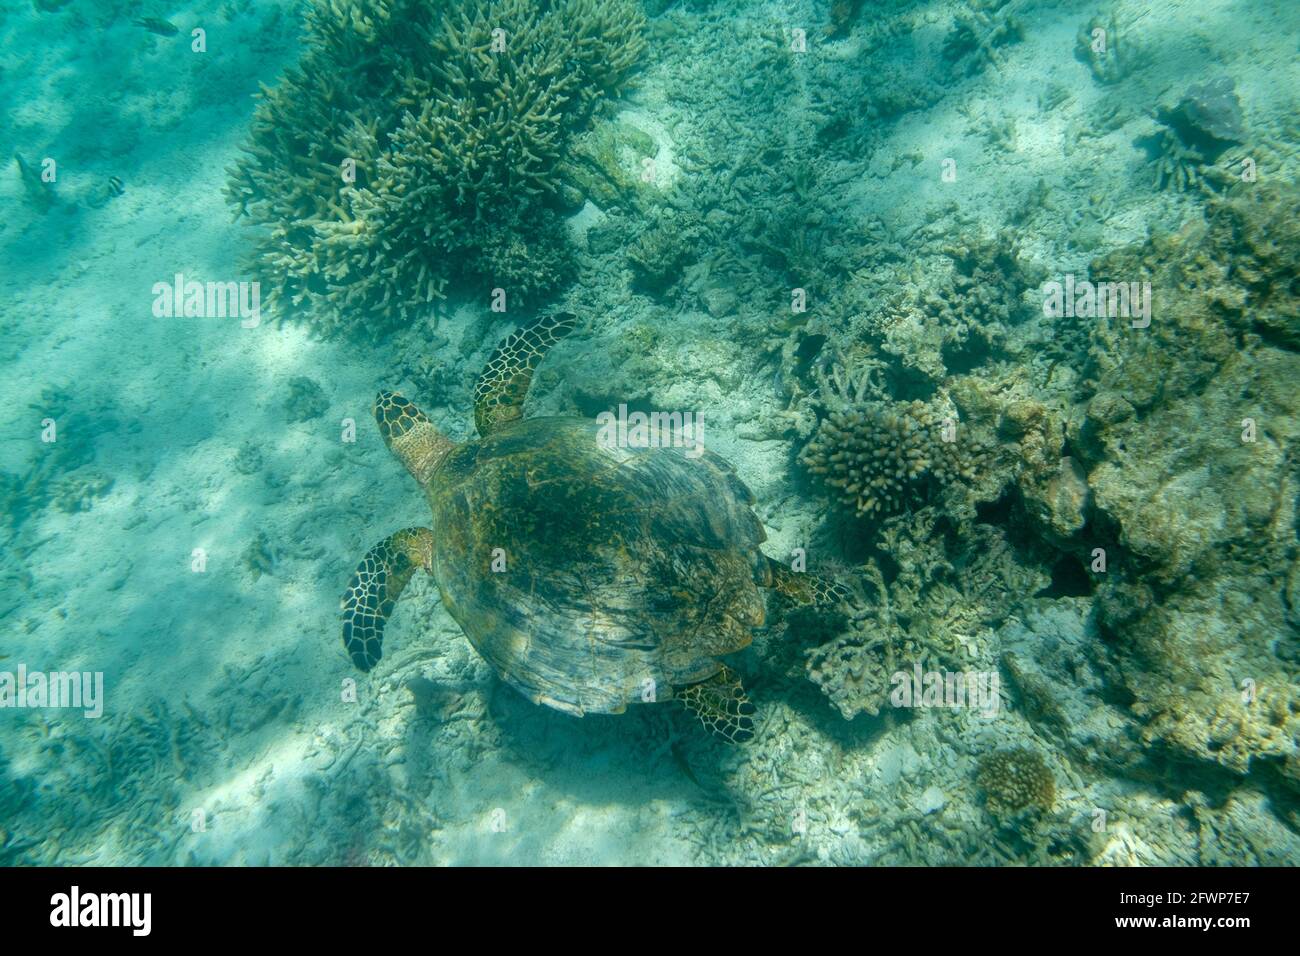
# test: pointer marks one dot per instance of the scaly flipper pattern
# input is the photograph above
(722, 706)
(375, 587)
(802, 588)
(503, 386)
(410, 435)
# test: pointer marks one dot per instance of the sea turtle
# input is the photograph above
(588, 575)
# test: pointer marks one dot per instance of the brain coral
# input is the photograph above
(405, 126)
(1014, 780)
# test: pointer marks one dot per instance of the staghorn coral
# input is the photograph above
(453, 114)
(528, 259)
(936, 612)
(1015, 780)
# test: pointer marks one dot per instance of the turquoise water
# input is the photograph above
(984, 312)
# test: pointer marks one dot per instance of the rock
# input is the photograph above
(931, 800)
(305, 400)
(719, 301)
(1058, 504)
(1209, 111)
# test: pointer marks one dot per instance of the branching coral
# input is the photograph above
(982, 31)
(406, 125)
(879, 457)
(932, 613)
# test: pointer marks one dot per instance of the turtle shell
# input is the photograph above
(590, 576)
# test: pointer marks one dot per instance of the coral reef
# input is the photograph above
(1015, 780)
(1205, 122)
(1189, 441)
(980, 33)
(660, 253)
(963, 318)
(406, 126)
(1109, 49)
(938, 610)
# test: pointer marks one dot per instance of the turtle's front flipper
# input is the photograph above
(410, 435)
(722, 706)
(503, 386)
(375, 587)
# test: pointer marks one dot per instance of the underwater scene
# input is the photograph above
(650, 433)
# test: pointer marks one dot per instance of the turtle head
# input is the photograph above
(410, 435)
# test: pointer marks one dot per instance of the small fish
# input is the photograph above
(679, 757)
(110, 190)
(160, 27)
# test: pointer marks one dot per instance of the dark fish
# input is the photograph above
(679, 757)
(160, 27)
(116, 186)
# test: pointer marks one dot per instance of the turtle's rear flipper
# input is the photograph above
(503, 386)
(722, 706)
(375, 587)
